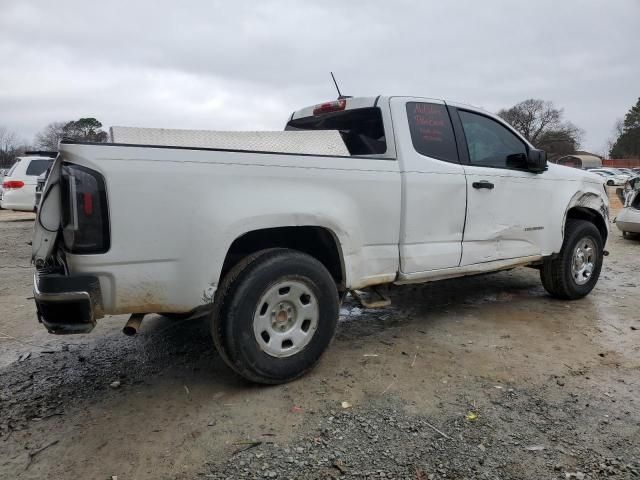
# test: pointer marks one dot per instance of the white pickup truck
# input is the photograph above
(267, 243)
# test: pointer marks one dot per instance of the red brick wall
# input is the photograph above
(621, 162)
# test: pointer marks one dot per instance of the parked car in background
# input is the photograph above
(19, 186)
(610, 177)
(42, 179)
(628, 220)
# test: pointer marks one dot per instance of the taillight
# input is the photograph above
(85, 217)
(87, 204)
(12, 184)
(327, 107)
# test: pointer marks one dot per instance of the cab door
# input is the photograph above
(508, 208)
(434, 190)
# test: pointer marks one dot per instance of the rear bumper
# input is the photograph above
(67, 303)
(18, 200)
(628, 220)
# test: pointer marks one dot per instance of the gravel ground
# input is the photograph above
(383, 441)
(483, 377)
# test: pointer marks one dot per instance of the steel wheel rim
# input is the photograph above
(583, 261)
(286, 318)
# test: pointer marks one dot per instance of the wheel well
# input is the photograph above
(318, 242)
(590, 215)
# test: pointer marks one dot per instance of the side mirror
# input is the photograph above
(537, 161)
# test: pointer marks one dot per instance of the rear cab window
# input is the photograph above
(431, 131)
(37, 167)
(362, 129)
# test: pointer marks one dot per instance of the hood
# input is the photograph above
(570, 173)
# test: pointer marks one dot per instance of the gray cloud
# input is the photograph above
(247, 65)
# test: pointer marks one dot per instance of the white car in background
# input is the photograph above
(19, 186)
(611, 177)
(628, 219)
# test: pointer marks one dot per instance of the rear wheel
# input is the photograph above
(610, 183)
(276, 314)
(575, 271)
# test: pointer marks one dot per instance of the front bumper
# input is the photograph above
(67, 303)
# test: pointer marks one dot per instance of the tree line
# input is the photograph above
(543, 125)
(626, 143)
(86, 129)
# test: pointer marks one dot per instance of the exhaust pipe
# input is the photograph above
(133, 324)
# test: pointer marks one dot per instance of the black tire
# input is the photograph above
(556, 274)
(610, 183)
(240, 295)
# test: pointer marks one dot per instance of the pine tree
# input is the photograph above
(627, 145)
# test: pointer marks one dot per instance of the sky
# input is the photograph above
(246, 65)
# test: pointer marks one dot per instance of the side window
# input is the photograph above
(431, 131)
(490, 144)
(36, 167)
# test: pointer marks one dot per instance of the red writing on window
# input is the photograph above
(430, 120)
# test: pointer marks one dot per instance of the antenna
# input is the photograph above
(340, 96)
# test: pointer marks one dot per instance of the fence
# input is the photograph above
(621, 162)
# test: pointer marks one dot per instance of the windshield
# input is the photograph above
(362, 129)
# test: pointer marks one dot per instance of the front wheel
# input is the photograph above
(575, 271)
(276, 315)
(610, 183)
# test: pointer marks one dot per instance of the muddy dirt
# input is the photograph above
(483, 377)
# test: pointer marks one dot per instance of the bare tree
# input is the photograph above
(48, 138)
(9, 147)
(543, 125)
(616, 132)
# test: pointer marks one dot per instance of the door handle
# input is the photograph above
(483, 184)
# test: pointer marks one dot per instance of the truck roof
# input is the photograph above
(352, 103)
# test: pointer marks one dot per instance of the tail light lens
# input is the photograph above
(12, 184)
(85, 217)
